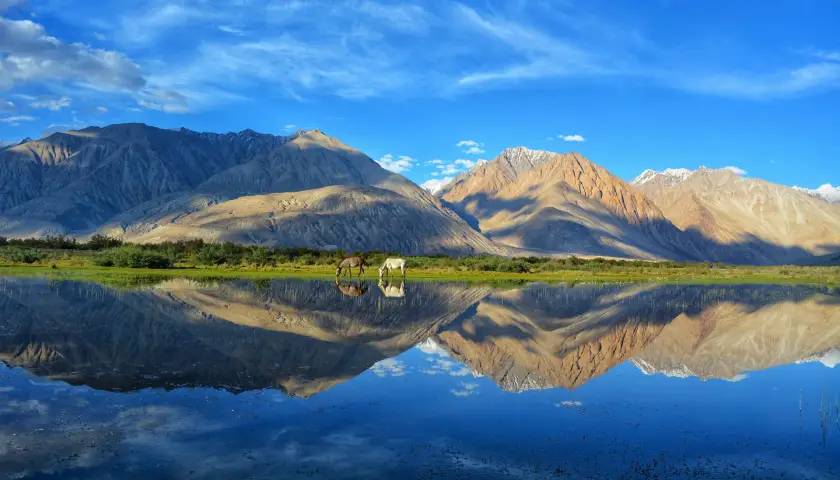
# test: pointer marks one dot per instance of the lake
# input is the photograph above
(309, 379)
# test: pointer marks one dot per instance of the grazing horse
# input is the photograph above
(392, 264)
(349, 264)
(351, 289)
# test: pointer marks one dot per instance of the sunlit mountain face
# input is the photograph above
(354, 378)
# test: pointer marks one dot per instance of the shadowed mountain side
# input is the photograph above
(346, 217)
(128, 179)
(560, 203)
(760, 221)
(546, 336)
(728, 339)
(237, 336)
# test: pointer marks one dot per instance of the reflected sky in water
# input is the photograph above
(308, 379)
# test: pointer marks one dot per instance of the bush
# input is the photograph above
(23, 255)
(132, 256)
(101, 242)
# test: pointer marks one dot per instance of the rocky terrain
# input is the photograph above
(300, 337)
(762, 221)
(146, 184)
(139, 182)
(564, 203)
(730, 339)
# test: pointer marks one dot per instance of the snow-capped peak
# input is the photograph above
(675, 175)
(826, 191)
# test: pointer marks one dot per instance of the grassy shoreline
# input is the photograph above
(687, 273)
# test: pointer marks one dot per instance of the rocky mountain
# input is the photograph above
(146, 184)
(300, 337)
(755, 220)
(729, 339)
(550, 202)
(826, 191)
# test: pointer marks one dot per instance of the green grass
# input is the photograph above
(73, 269)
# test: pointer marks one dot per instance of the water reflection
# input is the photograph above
(304, 337)
(303, 379)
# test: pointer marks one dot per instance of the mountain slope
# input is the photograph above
(728, 340)
(129, 179)
(770, 222)
(563, 203)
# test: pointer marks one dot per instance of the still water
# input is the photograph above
(309, 379)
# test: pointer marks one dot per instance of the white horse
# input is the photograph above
(392, 264)
(392, 290)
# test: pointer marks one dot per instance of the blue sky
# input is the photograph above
(429, 88)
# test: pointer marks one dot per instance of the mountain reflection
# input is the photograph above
(304, 337)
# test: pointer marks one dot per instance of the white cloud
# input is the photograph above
(736, 170)
(15, 120)
(29, 54)
(572, 138)
(758, 86)
(435, 161)
(231, 29)
(7, 106)
(390, 367)
(396, 164)
(101, 109)
(470, 147)
(53, 104)
(466, 389)
(465, 163)
(434, 185)
(164, 100)
(289, 127)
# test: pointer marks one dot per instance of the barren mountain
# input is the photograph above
(729, 339)
(765, 222)
(563, 203)
(301, 337)
(544, 336)
(131, 180)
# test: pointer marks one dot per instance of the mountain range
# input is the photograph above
(146, 184)
(304, 337)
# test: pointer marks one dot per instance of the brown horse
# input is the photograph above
(349, 264)
(351, 289)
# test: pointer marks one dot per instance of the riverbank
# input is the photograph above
(678, 273)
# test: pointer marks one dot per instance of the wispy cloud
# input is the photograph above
(571, 138)
(53, 104)
(466, 389)
(180, 57)
(396, 164)
(390, 367)
(15, 120)
(470, 147)
(736, 170)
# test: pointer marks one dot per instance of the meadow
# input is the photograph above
(108, 259)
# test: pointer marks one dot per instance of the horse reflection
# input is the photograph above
(351, 288)
(392, 290)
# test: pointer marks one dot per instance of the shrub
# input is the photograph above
(132, 256)
(23, 255)
(101, 242)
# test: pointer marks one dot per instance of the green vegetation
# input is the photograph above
(104, 257)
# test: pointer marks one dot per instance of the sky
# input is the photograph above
(430, 88)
